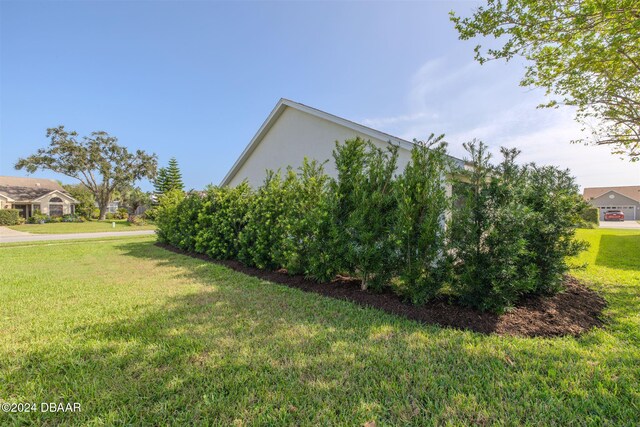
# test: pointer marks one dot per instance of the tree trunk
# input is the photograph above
(102, 205)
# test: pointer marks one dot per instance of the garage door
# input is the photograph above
(628, 211)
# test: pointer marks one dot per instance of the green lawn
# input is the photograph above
(143, 336)
(81, 227)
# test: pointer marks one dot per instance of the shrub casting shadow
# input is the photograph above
(572, 312)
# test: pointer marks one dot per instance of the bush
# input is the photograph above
(137, 220)
(121, 213)
(221, 219)
(72, 218)
(167, 215)
(420, 221)
(304, 247)
(95, 213)
(38, 218)
(487, 235)
(509, 233)
(9, 216)
(261, 238)
(552, 196)
(590, 217)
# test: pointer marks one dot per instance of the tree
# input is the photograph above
(133, 198)
(97, 161)
(169, 178)
(85, 198)
(584, 53)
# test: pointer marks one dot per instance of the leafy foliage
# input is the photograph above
(510, 226)
(97, 161)
(422, 205)
(9, 216)
(305, 245)
(487, 234)
(167, 217)
(85, 198)
(552, 197)
(585, 53)
(221, 219)
(261, 238)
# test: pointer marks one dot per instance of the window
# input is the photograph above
(55, 200)
(55, 209)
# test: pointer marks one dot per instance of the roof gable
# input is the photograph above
(277, 112)
(59, 194)
(630, 191)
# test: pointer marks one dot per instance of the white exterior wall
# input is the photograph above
(297, 134)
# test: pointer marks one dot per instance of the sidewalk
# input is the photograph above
(8, 235)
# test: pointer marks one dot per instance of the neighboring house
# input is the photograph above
(294, 131)
(30, 195)
(112, 207)
(625, 199)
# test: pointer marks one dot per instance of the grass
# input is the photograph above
(81, 227)
(143, 336)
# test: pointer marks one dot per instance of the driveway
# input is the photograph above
(8, 235)
(629, 225)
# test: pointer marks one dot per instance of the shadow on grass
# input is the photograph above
(242, 350)
(619, 252)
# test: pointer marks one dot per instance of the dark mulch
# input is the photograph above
(571, 312)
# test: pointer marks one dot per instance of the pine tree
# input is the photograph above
(173, 176)
(160, 183)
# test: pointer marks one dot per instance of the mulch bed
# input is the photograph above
(571, 312)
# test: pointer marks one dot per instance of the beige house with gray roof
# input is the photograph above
(30, 195)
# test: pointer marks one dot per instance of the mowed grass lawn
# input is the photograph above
(81, 227)
(142, 336)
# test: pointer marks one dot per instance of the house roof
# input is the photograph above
(630, 191)
(27, 189)
(283, 104)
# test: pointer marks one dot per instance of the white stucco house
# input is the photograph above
(31, 195)
(294, 131)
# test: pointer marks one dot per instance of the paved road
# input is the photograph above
(8, 235)
(633, 225)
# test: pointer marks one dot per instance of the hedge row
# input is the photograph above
(9, 216)
(504, 231)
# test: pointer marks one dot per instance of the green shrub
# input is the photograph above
(590, 217)
(420, 221)
(9, 216)
(221, 219)
(304, 247)
(184, 224)
(487, 236)
(364, 211)
(556, 205)
(261, 238)
(38, 218)
(167, 215)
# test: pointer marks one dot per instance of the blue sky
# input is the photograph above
(195, 80)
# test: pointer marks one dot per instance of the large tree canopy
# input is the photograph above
(97, 161)
(584, 53)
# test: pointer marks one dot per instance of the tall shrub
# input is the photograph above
(166, 215)
(553, 197)
(185, 221)
(221, 219)
(305, 245)
(261, 237)
(487, 237)
(420, 222)
(365, 210)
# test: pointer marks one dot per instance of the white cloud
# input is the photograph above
(485, 102)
